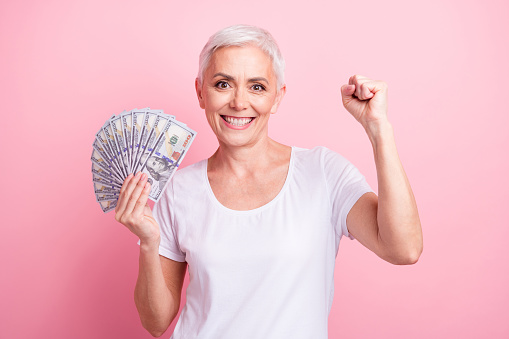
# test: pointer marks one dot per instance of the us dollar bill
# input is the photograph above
(101, 139)
(147, 126)
(162, 162)
(116, 128)
(110, 138)
(115, 154)
(127, 124)
(105, 155)
(138, 120)
(108, 182)
(159, 124)
(106, 197)
(103, 188)
(101, 162)
(108, 205)
(99, 171)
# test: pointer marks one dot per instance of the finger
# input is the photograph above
(371, 88)
(122, 189)
(125, 193)
(346, 93)
(140, 205)
(363, 90)
(136, 194)
(355, 79)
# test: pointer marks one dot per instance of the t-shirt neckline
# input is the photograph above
(258, 209)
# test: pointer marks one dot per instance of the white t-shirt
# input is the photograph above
(263, 273)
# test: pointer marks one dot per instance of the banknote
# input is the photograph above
(137, 120)
(159, 124)
(118, 135)
(149, 121)
(101, 143)
(109, 175)
(104, 164)
(105, 156)
(144, 140)
(169, 151)
(115, 154)
(108, 182)
(108, 205)
(127, 124)
(105, 188)
(106, 197)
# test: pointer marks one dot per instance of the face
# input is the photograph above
(238, 93)
(156, 165)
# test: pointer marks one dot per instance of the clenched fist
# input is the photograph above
(366, 100)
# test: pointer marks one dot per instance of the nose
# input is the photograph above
(239, 100)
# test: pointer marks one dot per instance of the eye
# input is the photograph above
(258, 87)
(222, 84)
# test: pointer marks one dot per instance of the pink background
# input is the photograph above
(68, 270)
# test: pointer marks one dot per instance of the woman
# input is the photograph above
(259, 223)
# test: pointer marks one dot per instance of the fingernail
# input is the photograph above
(143, 176)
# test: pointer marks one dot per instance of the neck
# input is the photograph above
(244, 160)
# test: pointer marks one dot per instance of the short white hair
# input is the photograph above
(243, 35)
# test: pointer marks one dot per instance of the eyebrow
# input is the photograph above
(229, 77)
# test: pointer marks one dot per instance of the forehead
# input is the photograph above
(249, 61)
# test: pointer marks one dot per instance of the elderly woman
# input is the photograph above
(259, 223)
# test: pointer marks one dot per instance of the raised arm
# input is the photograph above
(389, 224)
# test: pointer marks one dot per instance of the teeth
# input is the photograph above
(237, 121)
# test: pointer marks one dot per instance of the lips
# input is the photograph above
(237, 121)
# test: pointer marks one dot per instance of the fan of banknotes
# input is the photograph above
(140, 140)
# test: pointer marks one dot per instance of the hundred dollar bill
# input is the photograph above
(108, 205)
(101, 180)
(110, 137)
(159, 124)
(138, 119)
(106, 142)
(148, 123)
(99, 171)
(127, 125)
(101, 139)
(105, 155)
(103, 188)
(106, 197)
(104, 164)
(162, 162)
(116, 128)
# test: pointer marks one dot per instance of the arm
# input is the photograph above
(159, 284)
(158, 289)
(388, 225)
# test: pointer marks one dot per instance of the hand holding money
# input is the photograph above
(138, 141)
(133, 211)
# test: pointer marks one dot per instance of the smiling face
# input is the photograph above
(239, 93)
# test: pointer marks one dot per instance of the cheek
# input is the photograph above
(263, 104)
(214, 100)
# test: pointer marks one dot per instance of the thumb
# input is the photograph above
(346, 93)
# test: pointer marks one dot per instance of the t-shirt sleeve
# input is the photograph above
(163, 214)
(345, 186)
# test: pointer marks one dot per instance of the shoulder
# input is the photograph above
(322, 156)
(191, 173)
(183, 178)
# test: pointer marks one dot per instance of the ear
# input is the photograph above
(199, 93)
(279, 98)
